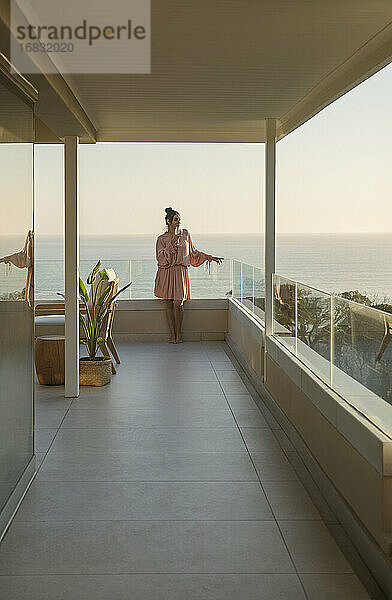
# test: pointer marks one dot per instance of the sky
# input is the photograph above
(334, 172)
(125, 188)
(333, 175)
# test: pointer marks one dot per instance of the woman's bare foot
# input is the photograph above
(179, 340)
(172, 340)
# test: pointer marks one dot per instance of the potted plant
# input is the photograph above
(93, 369)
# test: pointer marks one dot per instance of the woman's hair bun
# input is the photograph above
(170, 214)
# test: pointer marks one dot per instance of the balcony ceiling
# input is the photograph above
(220, 67)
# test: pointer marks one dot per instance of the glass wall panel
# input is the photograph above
(49, 221)
(237, 266)
(211, 281)
(259, 293)
(142, 276)
(247, 286)
(346, 344)
(121, 268)
(314, 330)
(284, 321)
(16, 289)
(334, 208)
(361, 349)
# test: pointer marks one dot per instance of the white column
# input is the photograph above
(270, 218)
(71, 267)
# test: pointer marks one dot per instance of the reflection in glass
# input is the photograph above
(314, 330)
(284, 321)
(24, 259)
(259, 293)
(16, 289)
(361, 349)
(247, 286)
(237, 279)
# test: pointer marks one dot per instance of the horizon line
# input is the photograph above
(226, 233)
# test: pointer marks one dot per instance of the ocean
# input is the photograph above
(329, 262)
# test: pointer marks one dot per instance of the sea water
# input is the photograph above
(329, 262)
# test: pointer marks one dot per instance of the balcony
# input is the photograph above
(254, 460)
(174, 481)
(245, 435)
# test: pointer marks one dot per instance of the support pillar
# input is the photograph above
(71, 267)
(270, 221)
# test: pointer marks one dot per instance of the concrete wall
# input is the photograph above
(357, 472)
(245, 333)
(145, 320)
(348, 457)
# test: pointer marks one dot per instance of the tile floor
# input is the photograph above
(168, 484)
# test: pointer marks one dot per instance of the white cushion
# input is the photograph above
(50, 320)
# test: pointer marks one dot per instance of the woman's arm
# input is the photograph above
(197, 257)
(166, 252)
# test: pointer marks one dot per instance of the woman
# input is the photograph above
(175, 253)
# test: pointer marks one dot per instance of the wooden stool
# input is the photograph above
(50, 359)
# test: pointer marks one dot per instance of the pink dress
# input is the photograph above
(172, 279)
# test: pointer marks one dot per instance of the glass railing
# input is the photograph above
(121, 268)
(249, 287)
(49, 276)
(12, 282)
(314, 330)
(214, 281)
(361, 347)
(49, 279)
(285, 310)
(344, 343)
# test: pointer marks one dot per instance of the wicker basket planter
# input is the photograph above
(96, 372)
